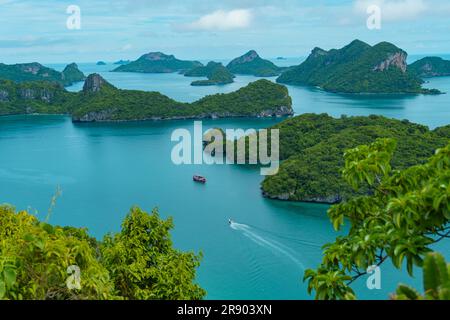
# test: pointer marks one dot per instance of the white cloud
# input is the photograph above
(394, 10)
(127, 47)
(222, 20)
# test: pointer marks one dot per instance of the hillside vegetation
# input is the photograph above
(357, 68)
(312, 148)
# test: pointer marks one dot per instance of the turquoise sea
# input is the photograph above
(104, 169)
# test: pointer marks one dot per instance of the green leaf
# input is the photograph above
(2, 289)
(435, 272)
(9, 276)
(408, 292)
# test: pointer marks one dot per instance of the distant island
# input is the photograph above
(357, 68)
(216, 73)
(252, 64)
(101, 101)
(312, 148)
(101, 63)
(122, 62)
(23, 72)
(157, 62)
(431, 67)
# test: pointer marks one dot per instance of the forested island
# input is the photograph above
(312, 148)
(216, 73)
(101, 101)
(429, 67)
(358, 68)
(157, 62)
(24, 72)
(252, 64)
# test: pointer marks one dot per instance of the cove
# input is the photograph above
(103, 169)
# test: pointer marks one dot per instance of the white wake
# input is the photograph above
(265, 242)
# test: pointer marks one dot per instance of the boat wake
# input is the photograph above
(271, 244)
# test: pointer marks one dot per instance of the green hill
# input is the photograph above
(431, 67)
(157, 62)
(252, 64)
(216, 73)
(312, 147)
(357, 68)
(72, 74)
(100, 101)
(34, 71)
(32, 97)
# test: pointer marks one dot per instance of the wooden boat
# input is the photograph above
(200, 179)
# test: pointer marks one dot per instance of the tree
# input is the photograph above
(436, 281)
(137, 263)
(405, 212)
(143, 263)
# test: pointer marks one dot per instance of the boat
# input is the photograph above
(200, 179)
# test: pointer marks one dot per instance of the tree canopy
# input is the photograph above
(406, 212)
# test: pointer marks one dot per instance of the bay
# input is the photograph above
(104, 169)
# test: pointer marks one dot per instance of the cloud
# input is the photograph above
(221, 20)
(394, 10)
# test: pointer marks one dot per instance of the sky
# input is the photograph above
(36, 30)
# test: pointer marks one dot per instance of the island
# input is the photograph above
(157, 62)
(431, 67)
(216, 73)
(252, 64)
(122, 62)
(101, 63)
(357, 68)
(23, 72)
(312, 148)
(101, 101)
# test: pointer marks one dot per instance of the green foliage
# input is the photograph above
(251, 63)
(157, 62)
(115, 104)
(26, 72)
(405, 212)
(33, 97)
(436, 278)
(137, 263)
(431, 67)
(312, 148)
(110, 104)
(143, 263)
(72, 74)
(216, 73)
(356, 68)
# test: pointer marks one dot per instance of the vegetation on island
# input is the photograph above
(216, 73)
(138, 263)
(357, 68)
(260, 98)
(101, 101)
(33, 97)
(252, 64)
(311, 149)
(157, 62)
(431, 67)
(404, 214)
(26, 72)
